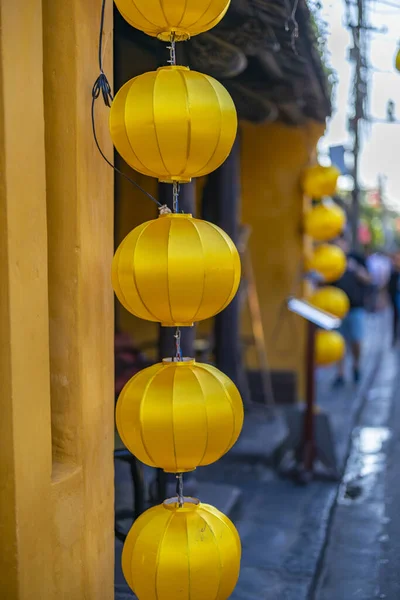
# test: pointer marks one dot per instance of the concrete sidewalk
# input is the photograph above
(283, 526)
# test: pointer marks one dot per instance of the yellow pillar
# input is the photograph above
(273, 157)
(56, 308)
(25, 435)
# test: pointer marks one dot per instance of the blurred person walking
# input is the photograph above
(394, 293)
(354, 283)
(379, 267)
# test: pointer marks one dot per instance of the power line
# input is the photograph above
(386, 3)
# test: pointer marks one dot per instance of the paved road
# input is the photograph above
(284, 526)
(362, 555)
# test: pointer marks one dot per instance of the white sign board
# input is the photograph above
(314, 315)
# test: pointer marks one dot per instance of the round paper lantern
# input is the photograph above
(330, 347)
(332, 300)
(329, 261)
(182, 553)
(176, 270)
(173, 124)
(324, 222)
(182, 18)
(319, 181)
(179, 415)
(397, 60)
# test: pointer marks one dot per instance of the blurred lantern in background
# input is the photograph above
(328, 261)
(331, 300)
(179, 18)
(173, 124)
(330, 347)
(324, 221)
(179, 415)
(319, 181)
(397, 58)
(180, 552)
(176, 270)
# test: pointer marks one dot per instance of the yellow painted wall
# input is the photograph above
(56, 307)
(273, 156)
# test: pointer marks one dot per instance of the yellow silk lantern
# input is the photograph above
(182, 553)
(180, 18)
(173, 124)
(330, 347)
(397, 59)
(328, 261)
(319, 181)
(324, 222)
(176, 270)
(332, 300)
(179, 415)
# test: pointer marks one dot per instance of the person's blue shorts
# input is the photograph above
(398, 301)
(353, 325)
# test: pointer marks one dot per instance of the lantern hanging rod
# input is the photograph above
(177, 336)
(175, 196)
(179, 489)
(172, 50)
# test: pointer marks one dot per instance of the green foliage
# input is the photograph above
(321, 31)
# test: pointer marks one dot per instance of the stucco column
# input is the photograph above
(56, 307)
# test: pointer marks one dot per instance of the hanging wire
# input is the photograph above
(179, 489)
(172, 50)
(178, 349)
(176, 188)
(102, 87)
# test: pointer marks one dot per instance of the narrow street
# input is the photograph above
(325, 540)
(363, 544)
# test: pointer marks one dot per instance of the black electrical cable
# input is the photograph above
(102, 86)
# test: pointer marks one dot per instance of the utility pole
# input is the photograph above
(357, 22)
(359, 58)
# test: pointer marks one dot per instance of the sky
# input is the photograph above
(381, 145)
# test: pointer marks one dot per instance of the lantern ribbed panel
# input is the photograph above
(188, 553)
(319, 181)
(324, 222)
(179, 415)
(327, 260)
(184, 18)
(173, 124)
(176, 270)
(332, 300)
(330, 347)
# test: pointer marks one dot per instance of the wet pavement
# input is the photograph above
(300, 542)
(361, 558)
